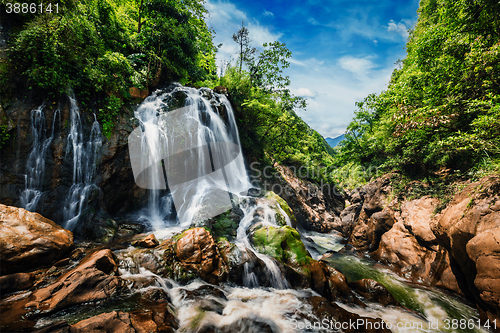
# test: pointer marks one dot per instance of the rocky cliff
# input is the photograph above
(456, 249)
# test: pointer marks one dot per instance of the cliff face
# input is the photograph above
(457, 249)
(113, 174)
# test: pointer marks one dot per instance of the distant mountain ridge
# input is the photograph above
(333, 142)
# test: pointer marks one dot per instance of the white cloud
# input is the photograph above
(358, 66)
(313, 21)
(223, 11)
(303, 92)
(267, 13)
(399, 28)
(226, 20)
(260, 35)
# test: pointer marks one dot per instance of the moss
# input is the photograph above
(224, 226)
(284, 206)
(283, 243)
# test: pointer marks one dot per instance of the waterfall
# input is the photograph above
(85, 154)
(184, 150)
(35, 166)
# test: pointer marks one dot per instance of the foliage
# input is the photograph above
(101, 48)
(441, 111)
(4, 135)
(246, 52)
(108, 114)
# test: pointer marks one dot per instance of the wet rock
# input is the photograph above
(29, 240)
(281, 207)
(199, 254)
(282, 243)
(148, 242)
(368, 230)
(373, 291)
(316, 208)
(348, 217)
(339, 319)
(57, 327)
(15, 282)
(112, 322)
(207, 297)
(92, 280)
(243, 265)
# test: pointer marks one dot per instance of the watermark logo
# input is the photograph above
(175, 151)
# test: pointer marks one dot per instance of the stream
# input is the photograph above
(176, 203)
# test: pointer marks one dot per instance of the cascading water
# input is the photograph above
(268, 218)
(35, 166)
(85, 154)
(183, 145)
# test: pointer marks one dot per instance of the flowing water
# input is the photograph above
(84, 153)
(185, 149)
(173, 205)
(277, 307)
(35, 166)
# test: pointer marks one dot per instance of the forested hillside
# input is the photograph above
(101, 49)
(441, 111)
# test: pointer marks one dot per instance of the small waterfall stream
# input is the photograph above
(35, 166)
(185, 150)
(84, 154)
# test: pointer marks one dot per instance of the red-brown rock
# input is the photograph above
(198, 253)
(148, 242)
(29, 240)
(92, 280)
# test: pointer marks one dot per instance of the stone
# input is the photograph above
(484, 250)
(148, 242)
(198, 253)
(315, 208)
(15, 282)
(417, 215)
(29, 240)
(373, 291)
(92, 280)
(468, 228)
(332, 313)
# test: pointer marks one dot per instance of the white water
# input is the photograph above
(277, 306)
(267, 218)
(35, 166)
(84, 153)
(191, 151)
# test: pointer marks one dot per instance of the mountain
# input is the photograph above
(333, 142)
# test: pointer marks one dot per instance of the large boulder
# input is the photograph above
(301, 270)
(369, 216)
(467, 228)
(411, 249)
(92, 280)
(199, 254)
(184, 257)
(484, 250)
(29, 240)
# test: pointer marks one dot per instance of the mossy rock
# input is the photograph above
(283, 244)
(284, 206)
(225, 225)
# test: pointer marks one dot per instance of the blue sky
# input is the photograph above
(342, 50)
